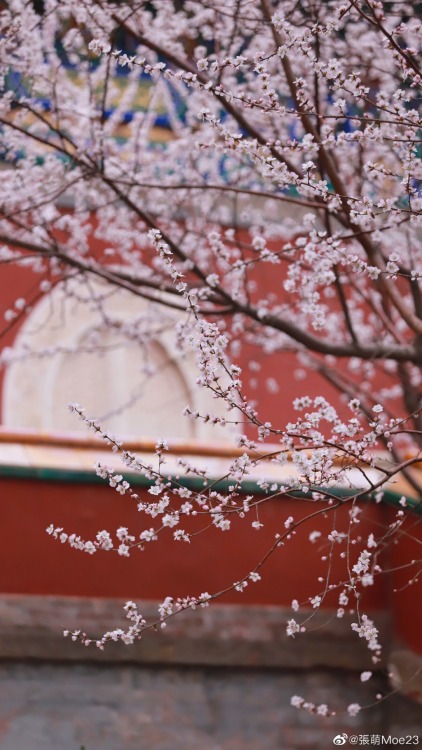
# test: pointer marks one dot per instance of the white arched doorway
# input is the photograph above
(115, 354)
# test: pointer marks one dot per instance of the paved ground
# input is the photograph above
(66, 707)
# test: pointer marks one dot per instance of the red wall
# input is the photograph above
(18, 281)
(32, 562)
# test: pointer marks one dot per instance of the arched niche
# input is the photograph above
(116, 355)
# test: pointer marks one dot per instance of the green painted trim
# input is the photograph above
(390, 498)
(84, 476)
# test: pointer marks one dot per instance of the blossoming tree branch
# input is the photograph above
(282, 214)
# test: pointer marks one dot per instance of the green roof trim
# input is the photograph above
(84, 476)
